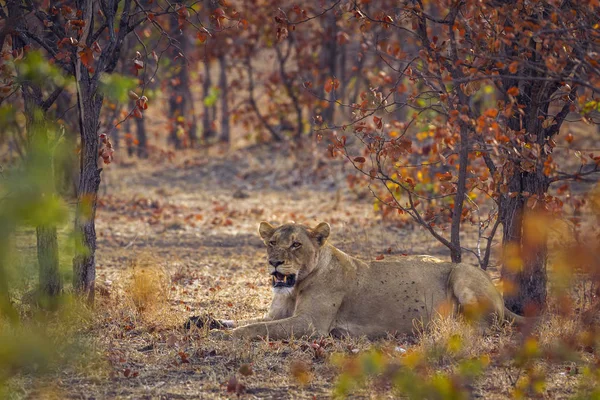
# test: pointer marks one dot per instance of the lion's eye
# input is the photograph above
(296, 245)
(272, 243)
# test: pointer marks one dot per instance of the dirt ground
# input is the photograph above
(178, 238)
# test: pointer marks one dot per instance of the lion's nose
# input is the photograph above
(275, 263)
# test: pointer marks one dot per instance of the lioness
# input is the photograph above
(320, 290)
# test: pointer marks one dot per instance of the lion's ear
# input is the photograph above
(321, 232)
(265, 230)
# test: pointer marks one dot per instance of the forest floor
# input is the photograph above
(179, 237)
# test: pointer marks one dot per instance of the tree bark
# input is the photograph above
(47, 253)
(84, 263)
(207, 118)
(527, 282)
(181, 104)
(50, 283)
(459, 198)
(225, 130)
(329, 53)
(142, 146)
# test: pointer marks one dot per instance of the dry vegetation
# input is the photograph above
(178, 238)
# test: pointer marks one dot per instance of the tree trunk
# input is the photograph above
(142, 146)
(330, 55)
(224, 137)
(84, 263)
(207, 131)
(527, 279)
(47, 253)
(181, 104)
(50, 283)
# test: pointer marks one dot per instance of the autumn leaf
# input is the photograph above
(513, 67)
(380, 257)
(360, 160)
(513, 91)
(138, 64)
(491, 112)
(331, 84)
(378, 122)
(445, 176)
(202, 36)
(569, 138)
(86, 57)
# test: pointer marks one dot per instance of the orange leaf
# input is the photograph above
(378, 122)
(491, 112)
(359, 159)
(86, 56)
(446, 176)
(569, 137)
(202, 36)
(513, 67)
(380, 257)
(513, 91)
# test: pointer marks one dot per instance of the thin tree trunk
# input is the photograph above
(50, 283)
(329, 63)
(225, 130)
(459, 198)
(47, 253)
(142, 146)
(181, 105)
(207, 131)
(84, 263)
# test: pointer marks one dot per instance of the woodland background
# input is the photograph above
(143, 140)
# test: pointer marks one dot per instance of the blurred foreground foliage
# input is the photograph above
(452, 356)
(37, 334)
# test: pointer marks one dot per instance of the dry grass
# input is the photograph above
(447, 340)
(171, 245)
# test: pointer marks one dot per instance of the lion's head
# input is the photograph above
(292, 251)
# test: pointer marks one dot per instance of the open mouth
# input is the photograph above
(281, 280)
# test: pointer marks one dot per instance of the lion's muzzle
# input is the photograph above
(281, 280)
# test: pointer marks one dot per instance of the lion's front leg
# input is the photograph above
(280, 329)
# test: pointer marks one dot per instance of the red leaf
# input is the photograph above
(359, 159)
(202, 36)
(331, 84)
(513, 91)
(446, 176)
(378, 122)
(380, 257)
(569, 137)
(86, 57)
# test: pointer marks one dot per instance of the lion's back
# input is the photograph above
(389, 294)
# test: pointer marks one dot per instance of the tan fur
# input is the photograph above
(339, 294)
